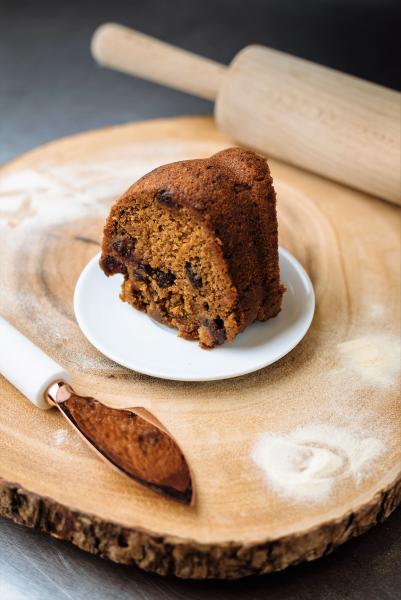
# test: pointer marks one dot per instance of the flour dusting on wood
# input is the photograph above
(376, 311)
(374, 358)
(306, 463)
(60, 437)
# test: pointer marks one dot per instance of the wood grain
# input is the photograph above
(52, 206)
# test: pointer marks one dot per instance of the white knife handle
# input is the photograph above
(26, 366)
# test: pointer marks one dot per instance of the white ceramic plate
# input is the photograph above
(132, 339)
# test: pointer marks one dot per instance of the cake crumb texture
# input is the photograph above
(197, 244)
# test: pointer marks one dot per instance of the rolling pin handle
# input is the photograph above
(27, 367)
(135, 53)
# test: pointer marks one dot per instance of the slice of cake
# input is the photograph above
(196, 242)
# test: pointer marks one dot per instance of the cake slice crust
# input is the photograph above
(196, 242)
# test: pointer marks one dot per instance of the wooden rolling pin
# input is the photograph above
(327, 122)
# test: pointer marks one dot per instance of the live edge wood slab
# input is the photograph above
(343, 375)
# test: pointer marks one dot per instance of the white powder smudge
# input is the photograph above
(375, 358)
(45, 200)
(60, 437)
(376, 311)
(66, 436)
(306, 463)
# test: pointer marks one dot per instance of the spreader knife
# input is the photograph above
(132, 441)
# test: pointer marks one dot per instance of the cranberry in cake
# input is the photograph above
(196, 242)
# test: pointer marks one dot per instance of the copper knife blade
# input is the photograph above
(135, 445)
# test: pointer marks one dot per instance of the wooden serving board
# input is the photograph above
(329, 411)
